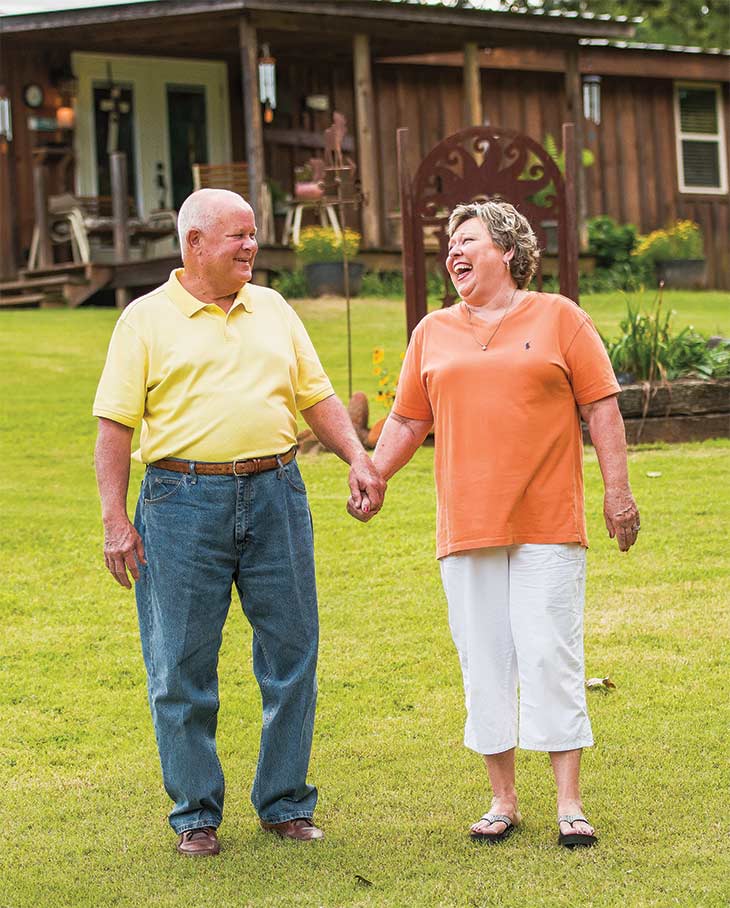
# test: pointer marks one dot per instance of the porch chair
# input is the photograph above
(77, 219)
(234, 176)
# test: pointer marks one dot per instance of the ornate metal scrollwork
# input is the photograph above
(480, 163)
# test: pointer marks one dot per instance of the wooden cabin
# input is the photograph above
(176, 83)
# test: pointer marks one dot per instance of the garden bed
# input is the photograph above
(682, 410)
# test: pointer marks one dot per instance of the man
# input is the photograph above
(215, 369)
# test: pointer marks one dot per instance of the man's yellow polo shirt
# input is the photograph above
(208, 385)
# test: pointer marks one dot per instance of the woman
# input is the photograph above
(504, 376)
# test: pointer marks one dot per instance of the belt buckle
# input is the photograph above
(255, 464)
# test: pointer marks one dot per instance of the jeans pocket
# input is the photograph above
(160, 488)
(294, 478)
(571, 552)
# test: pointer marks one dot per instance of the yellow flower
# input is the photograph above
(378, 354)
(377, 370)
(384, 380)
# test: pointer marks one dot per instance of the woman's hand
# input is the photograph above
(622, 517)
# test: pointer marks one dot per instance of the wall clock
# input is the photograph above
(33, 95)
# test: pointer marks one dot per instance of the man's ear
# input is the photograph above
(508, 256)
(194, 238)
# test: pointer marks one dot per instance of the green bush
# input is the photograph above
(649, 351)
(291, 284)
(382, 284)
(609, 241)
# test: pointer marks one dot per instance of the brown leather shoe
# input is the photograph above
(302, 829)
(201, 842)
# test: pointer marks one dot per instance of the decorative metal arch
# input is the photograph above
(479, 163)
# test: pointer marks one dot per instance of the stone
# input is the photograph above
(375, 431)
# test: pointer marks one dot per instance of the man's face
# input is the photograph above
(228, 247)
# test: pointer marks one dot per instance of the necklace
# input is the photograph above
(491, 338)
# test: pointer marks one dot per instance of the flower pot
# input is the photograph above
(308, 191)
(682, 274)
(329, 277)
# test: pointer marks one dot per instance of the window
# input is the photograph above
(701, 155)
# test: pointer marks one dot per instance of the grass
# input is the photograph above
(84, 811)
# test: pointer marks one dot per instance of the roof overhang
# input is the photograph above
(367, 15)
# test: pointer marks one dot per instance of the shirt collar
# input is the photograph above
(189, 304)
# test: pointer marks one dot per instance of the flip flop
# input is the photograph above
(498, 836)
(574, 839)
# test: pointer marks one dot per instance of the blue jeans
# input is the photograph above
(202, 535)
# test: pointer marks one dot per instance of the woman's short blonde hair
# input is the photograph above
(508, 229)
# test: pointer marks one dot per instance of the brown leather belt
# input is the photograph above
(231, 468)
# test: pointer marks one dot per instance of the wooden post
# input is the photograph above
(7, 215)
(569, 227)
(473, 115)
(120, 213)
(248, 48)
(40, 204)
(574, 104)
(366, 147)
(414, 258)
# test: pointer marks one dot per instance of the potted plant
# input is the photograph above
(320, 251)
(676, 254)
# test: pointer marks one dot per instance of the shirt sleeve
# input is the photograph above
(411, 398)
(313, 385)
(122, 389)
(591, 372)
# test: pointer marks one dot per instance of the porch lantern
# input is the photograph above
(592, 99)
(65, 117)
(267, 83)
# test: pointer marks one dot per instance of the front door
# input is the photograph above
(171, 113)
(188, 137)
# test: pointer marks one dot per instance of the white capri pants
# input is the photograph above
(516, 616)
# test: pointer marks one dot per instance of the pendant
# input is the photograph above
(484, 346)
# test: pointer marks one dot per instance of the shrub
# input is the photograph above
(321, 244)
(383, 284)
(291, 284)
(681, 240)
(609, 241)
(648, 350)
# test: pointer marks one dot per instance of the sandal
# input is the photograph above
(498, 836)
(575, 839)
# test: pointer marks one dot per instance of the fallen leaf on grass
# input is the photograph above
(653, 474)
(600, 684)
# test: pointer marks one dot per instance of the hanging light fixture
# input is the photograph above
(267, 83)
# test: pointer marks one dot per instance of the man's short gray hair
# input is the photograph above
(508, 229)
(200, 210)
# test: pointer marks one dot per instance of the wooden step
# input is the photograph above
(22, 300)
(30, 283)
(73, 270)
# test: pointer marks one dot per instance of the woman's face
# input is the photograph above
(474, 261)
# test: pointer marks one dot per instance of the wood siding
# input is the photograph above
(634, 178)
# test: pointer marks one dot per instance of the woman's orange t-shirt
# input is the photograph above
(509, 451)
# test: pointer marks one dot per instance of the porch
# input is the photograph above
(178, 82)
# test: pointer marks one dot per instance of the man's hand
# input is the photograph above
(367, 489)
(123, 549)
(622, 517)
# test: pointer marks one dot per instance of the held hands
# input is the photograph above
(123, 549)
(622, 518)
(367, 489)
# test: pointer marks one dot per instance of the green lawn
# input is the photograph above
(84, 813)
